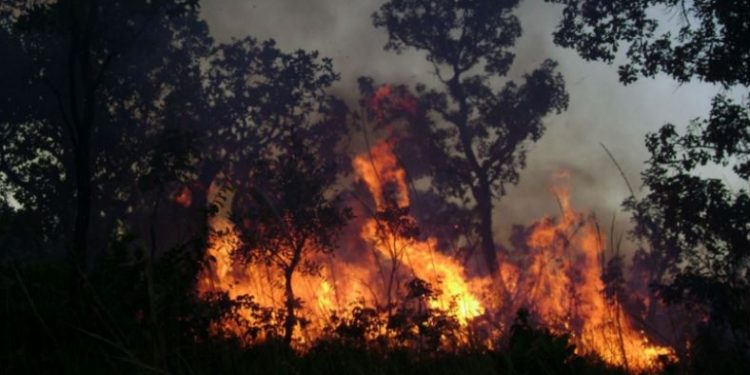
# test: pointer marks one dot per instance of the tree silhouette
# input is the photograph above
(90, 108)
(289, 217)
(110, 112)
(478, 142)
(277, 146)
(695, 248)
(259, 96)
(710, 41)
(696, 228)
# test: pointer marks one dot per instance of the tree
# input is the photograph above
(289, 216)
(90, 108)
(260, 96)
(694, 228)
(478, 141)
(276, 147)
(711, 41)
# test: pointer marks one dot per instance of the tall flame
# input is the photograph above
(378, 169)
(559, 279)
(563, 286)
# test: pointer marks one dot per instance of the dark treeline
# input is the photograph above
(116, 117)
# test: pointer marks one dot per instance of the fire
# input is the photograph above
(262, 281)
(395, 99)
(377, 169)
(558, 280)
(563, 286)
(185, 197)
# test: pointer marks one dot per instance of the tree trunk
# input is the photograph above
(83, 205)
(481, 186)
(82, 89)
(484, 208)
(81, 228)
(483, 197)
(291, 319)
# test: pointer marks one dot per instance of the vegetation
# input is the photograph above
(119, 120)
(468, 43)
(120, 338)
(692, 227)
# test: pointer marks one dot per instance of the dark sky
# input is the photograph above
(601, 109)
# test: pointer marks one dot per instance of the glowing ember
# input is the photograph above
(185, 197)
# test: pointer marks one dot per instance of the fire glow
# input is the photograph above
(558, 280)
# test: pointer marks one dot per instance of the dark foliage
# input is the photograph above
(697, 233)
(86, 81)
(710, 40)
(694, 228)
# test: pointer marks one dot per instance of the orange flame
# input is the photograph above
(378, 169)
(559, 280)
(564, 287)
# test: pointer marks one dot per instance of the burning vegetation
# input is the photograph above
(395, 286)
(399, 276)
(172, 203)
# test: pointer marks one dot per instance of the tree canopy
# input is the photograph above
(489, 130)
(701, 39)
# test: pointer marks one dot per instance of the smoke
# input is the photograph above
(601, 110)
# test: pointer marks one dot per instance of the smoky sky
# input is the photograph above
(601, 110)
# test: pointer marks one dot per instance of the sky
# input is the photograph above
(601, 110)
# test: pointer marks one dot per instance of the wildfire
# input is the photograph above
(559, 280)
(563, 286)
(379, 169)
